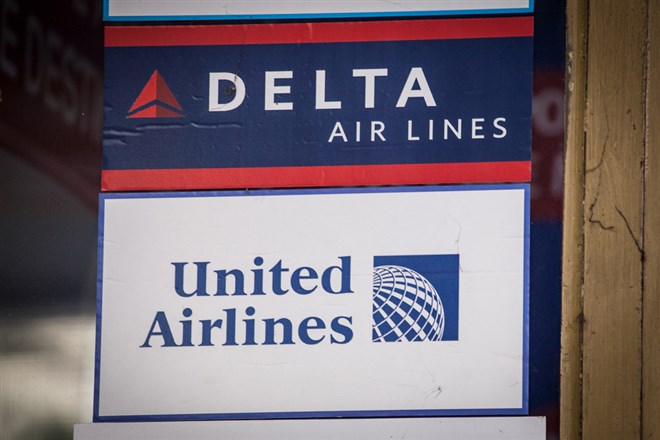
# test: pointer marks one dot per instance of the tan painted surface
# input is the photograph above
(572, 262)
(613, 219)
(610, 357)
(651, 294)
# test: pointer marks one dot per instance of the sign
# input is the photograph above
(260, 9)
(318, 104)
(313, 303)
(465, 428)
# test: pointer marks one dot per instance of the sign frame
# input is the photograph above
(465, 428)
(487, 8)
(523, 410)
(423, 142)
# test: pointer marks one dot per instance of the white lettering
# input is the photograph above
(369, 76)
(410, 129)
(377, 128)
(238, 89)
(457, 131)
(338, 131)
(321, 103)
(501, 128)
(272, 90)
(477, 128)
(416, 76)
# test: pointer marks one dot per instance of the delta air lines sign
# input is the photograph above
(313, 303)
(318, 104)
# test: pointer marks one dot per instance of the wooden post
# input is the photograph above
(651, 292)
(573, 255)
(610, 331)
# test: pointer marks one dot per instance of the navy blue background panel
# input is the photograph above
(468, 78)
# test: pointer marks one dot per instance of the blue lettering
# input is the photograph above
(231, 327)
(187, 328)
(201, 279)
(207, 325)
(249, 327)
(298, 274)
(307, 324)
(277, 271)
(233, 282)
(258, 277)
(345, 277)
(238, 282)
(275, 331)
(163, 331)
(341, 329)
(287, 331)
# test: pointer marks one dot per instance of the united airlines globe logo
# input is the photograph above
(406, 306)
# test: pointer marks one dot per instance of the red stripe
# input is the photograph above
(214, 35)
(289, 177)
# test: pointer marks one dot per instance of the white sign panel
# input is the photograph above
(471, 428)
(313, 303)
(250, 9)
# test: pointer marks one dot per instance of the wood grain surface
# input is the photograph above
(573, 230)
(651, 293)
(611, 304)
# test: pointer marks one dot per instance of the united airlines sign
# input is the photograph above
(318, 104)
(313, 303)
(407, 307)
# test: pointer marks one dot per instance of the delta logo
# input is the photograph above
(227, 91)
(156, 100)
(414, 299)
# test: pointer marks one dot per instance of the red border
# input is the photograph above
(289, 33)
(290, 177)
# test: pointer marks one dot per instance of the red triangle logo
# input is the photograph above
(155, 111)
(155, 92)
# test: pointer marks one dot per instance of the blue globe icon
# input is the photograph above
(406, 307)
